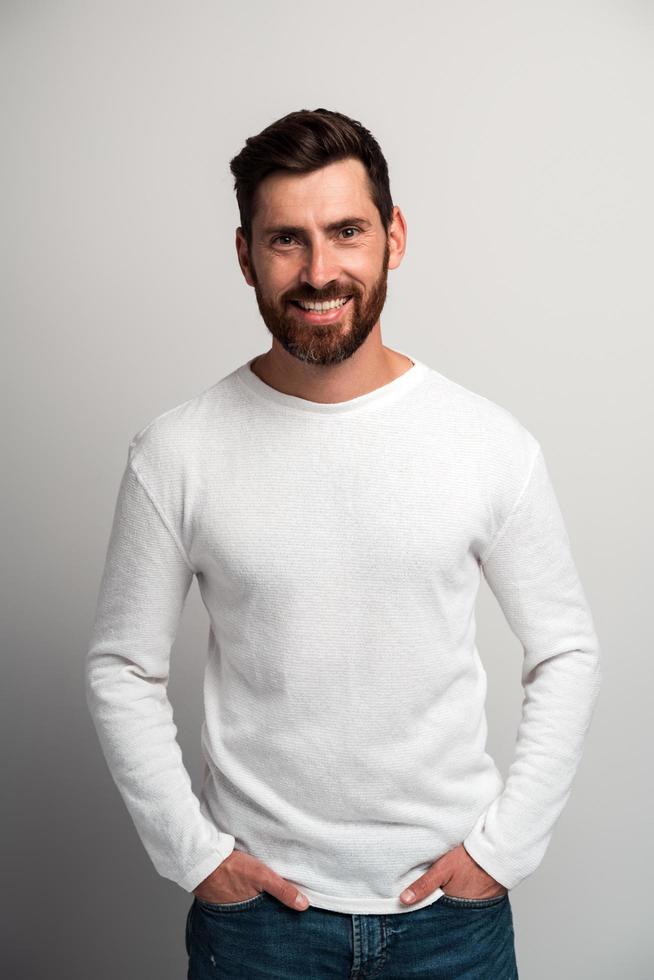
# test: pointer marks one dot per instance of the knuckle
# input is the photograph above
(280, 888)
(287, 893)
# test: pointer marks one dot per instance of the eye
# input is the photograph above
(350, 228)
(278, 237)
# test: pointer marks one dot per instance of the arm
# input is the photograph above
(144, 585)
(530, 569)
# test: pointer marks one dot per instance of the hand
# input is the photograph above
(241, 876)
(462, 875)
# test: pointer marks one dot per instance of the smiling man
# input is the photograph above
(320, 272)
(339, 503)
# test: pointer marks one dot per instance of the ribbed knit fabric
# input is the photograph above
(338, 548)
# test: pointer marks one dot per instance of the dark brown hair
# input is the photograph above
(303, 141)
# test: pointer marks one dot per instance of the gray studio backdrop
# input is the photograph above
(520, 143)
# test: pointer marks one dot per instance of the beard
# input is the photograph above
(332, 343)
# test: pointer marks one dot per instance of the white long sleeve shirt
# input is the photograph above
(338, 549)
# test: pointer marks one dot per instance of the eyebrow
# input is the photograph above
(332, 226)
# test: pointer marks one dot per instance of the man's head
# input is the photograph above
(317, 224)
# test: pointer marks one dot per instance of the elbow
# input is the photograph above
(114, 680)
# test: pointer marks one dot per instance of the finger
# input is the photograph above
(421, 887)
(287, 893)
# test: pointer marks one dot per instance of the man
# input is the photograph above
(339, 502)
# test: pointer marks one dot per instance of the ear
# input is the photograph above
(243, 254)
(397, 234)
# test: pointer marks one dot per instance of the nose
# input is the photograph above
(320, 266)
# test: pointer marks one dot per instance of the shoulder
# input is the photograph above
(178, 435)
(500, 436)
(498, 449)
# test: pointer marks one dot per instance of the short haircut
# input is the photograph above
(301, 142)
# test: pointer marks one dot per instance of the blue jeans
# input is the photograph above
(451, 939)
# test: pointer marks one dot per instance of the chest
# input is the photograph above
(382, 509)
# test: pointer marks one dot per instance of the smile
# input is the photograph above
(333, 304)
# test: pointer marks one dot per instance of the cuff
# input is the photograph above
(208, 864)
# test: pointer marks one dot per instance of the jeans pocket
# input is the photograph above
(473, 903)
(245, 903)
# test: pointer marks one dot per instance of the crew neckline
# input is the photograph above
(406, 381)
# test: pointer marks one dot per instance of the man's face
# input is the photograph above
(317, 237)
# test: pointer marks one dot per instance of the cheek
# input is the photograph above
(274, 287)
(363, 268)
(280, 279)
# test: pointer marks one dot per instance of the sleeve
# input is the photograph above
(144, 585)
(530, 569)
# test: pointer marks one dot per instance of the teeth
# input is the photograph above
(323, 307)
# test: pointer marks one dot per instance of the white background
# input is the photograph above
(520, 142)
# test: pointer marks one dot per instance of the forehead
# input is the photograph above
(340, 188)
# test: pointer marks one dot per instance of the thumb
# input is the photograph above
(284, 890)
(435, 876)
